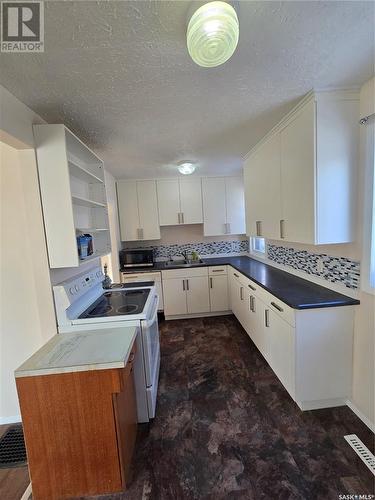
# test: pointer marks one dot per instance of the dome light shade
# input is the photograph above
(212, 34)
(186, 167)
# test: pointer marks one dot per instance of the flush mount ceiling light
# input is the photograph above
(186, 167)
(212, 34)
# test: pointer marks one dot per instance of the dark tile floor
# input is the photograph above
(227, 429)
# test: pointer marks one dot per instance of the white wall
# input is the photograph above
(26, 306)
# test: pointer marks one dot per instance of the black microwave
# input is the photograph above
(138, 257)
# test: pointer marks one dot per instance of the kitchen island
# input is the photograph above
(78, 410)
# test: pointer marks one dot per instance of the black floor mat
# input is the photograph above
(12, 448)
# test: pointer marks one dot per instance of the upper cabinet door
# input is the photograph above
(191, 200)
(262, 187)
(235, 202)
(298, 176)
(128, 210)
(169, 202)
(214, 206)
(148, 210)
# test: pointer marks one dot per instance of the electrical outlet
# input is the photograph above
(320, 265)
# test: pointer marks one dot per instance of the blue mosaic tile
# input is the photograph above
(202, 248)
(335, 269)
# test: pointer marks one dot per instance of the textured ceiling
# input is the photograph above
(118, 74)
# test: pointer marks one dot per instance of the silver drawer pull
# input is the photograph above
(267, 318)
(241, 293)
(211, 283)
(236, 275)
(277, 307)
(282, 232)
(252, 287)
(217, 270)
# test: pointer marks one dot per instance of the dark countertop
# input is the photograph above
(296, 292)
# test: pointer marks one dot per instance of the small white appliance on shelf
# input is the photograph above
(82, 303)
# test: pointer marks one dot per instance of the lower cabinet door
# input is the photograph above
(197, 293)
(280, 339)
(126, 422)
(174, 292)
(219, 299)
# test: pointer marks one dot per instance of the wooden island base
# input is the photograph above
(80, 430)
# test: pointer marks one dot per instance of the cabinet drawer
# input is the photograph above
(184, 273)
(217, 270)
(285, 312)
(142, 276)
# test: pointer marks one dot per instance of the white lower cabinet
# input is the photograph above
(186, 291)
(174, 292)
(197, 295)
(219, 293)
(309, 350)
(280, 348)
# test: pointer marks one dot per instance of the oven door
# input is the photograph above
(151, 346)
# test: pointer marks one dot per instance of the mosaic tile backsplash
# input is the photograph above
(333, 269)
(203, 248)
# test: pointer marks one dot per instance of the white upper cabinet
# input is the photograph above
(73, 195)
(223, 206)
(180, 201)
(191, 200)
(235, 202)
(138, 210)
(300, 180)
(262, 175)
(298, 176)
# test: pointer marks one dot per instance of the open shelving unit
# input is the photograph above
(72, 186)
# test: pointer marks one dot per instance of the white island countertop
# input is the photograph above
(98, 349)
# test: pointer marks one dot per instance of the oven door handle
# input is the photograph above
(150, 321)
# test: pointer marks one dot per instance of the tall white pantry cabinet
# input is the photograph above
(73, 195)
(300, 180)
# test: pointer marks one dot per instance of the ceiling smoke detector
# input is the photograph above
(212, 34)
(186, 167)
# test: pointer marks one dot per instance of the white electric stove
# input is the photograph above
(82, 303)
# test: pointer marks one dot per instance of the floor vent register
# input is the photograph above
(362, 451)
(12, 448)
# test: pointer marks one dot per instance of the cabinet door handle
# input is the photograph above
(187, 285)
(251, 302)
(236, 275)
(241, 292)
(211, 283)
(277, 307)
(267, 318)
(259, 228)
(183, 217)
(252, 287)
(183, 285)
(282, 232)
(179, 217)
(131, 357)
(217, 270)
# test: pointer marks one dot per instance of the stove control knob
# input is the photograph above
(71, 290)
(76, 288)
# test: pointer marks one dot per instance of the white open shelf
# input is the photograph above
(82, 173)
(85, 202)
(77, 175)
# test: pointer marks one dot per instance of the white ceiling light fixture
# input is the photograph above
(212, 34)
(186, 167)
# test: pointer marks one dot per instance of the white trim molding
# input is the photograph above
(360, 415)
